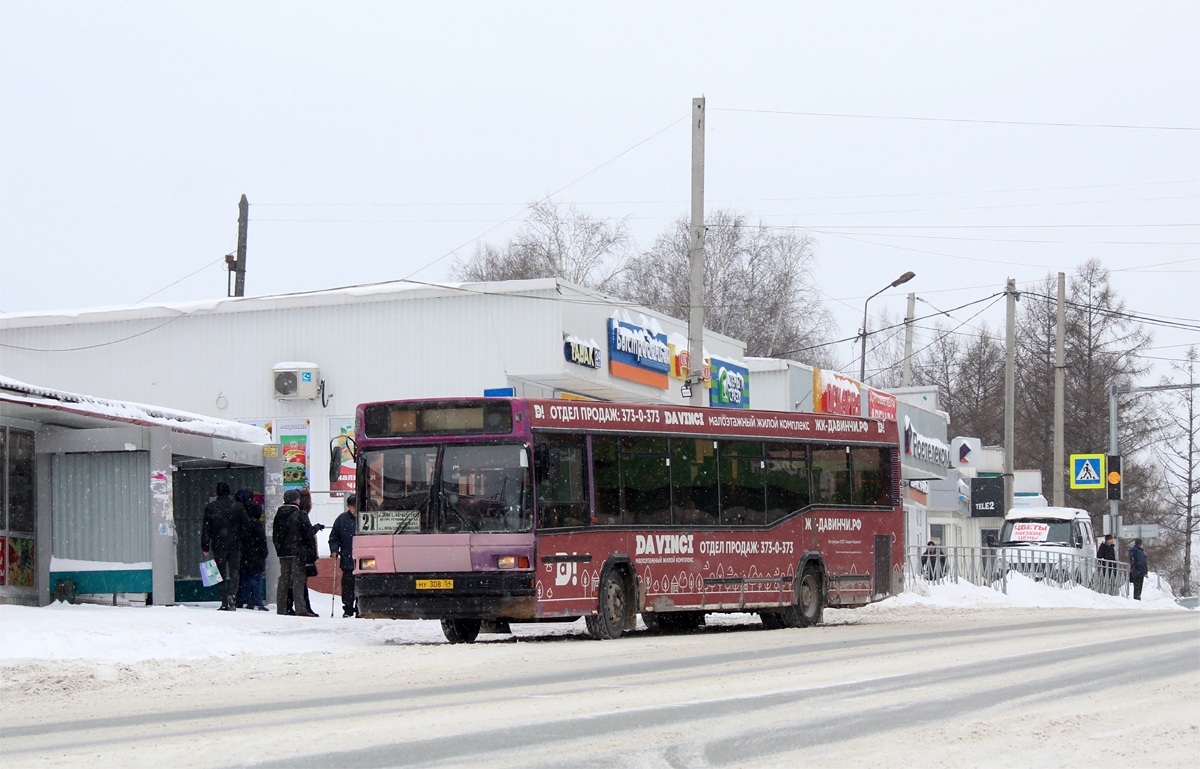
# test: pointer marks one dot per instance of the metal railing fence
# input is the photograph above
(992, 567)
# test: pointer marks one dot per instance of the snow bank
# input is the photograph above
(1023, 593)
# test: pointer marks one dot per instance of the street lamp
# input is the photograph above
(862, 366)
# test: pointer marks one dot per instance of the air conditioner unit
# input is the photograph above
(296, 381)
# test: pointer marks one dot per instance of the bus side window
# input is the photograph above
(787, 480)
(742, 493)
(694, 482)
(562, 490)
(606, 470)
(646, 481)
(831, 475)
(872, 476)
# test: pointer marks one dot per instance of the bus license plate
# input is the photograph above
(435, 584)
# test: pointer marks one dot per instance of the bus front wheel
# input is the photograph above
(609, 620)
(461, 631)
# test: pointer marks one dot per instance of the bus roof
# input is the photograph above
(687, 420)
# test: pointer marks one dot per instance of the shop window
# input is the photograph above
(743, 500)
(831, 475)
(560, 462)
(646, 481)
(872, 476)
(787, 480)
(18, 517)
(606, 471)
(694, 482)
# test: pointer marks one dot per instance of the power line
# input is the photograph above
(960, 120)
(185, 277)
(751, 200)
(552, 194)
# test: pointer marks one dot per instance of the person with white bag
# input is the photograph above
(225, 524)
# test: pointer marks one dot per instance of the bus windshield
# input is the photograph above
(476, 488)
(485, 488)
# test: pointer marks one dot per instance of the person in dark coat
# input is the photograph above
(1106, 563)
(254, 554)
(933, 562)
(1137, 568)
(341, 543)
(221, 535)
(293, 535)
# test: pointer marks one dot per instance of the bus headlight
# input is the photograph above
(366, 564)
(506, 562)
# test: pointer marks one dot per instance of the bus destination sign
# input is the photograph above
(681, 419)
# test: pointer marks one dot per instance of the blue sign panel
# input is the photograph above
(500, 392)
(636, 354)
(730, 386)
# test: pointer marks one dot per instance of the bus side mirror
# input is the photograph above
(335, 455)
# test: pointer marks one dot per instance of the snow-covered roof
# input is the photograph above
(14, 391)
(396, 290)
(1056, 513)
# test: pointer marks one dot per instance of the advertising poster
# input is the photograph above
(730, 386)
(341, 431)
(20, 562)
(292, 435)
(3, 561)
(835, 394)
(880, 405)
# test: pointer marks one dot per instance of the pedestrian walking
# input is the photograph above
(292, 536)
(341, 546)
(254, 554)
(221, 535)
(1137, 568)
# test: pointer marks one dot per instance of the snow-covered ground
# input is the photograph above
(121, 635)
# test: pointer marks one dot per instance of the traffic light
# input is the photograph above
(1114, 477)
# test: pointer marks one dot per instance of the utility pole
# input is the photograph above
(696, 255)
(1010, 391)
(906, 369)
(1060, 362)
(239, 266)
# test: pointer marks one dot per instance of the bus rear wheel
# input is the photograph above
(609, 620)
(461, 631)
(809, 603)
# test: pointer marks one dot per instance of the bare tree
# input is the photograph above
(1179, 457)
(758, 285)
(553, 242)
(1103, 347)
(885, 351)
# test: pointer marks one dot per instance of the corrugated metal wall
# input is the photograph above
(101, 506)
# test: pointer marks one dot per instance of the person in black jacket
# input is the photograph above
(254, 554)
(341, 543)
(221, 536)
(1106, 564)
(293, 537)
(1137, 568)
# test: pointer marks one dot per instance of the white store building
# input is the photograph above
(300, 364)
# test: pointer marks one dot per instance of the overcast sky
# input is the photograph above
(373, 139)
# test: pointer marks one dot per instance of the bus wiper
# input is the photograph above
(448, 505)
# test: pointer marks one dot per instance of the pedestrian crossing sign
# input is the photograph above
(1087, 471)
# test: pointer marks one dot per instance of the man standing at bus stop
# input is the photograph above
(341, 543)
(1137, 568)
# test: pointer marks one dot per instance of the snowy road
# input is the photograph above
(1031, 687)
